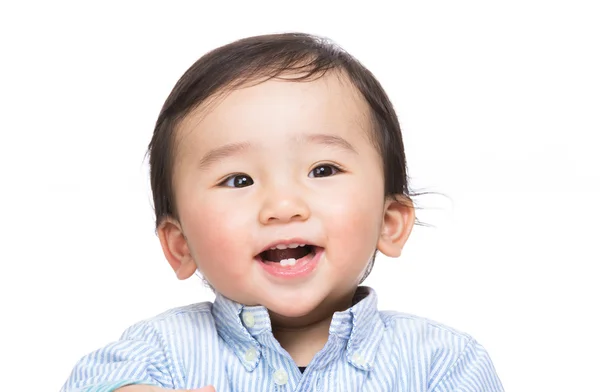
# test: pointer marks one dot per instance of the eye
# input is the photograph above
(324, 171)
(237, 181)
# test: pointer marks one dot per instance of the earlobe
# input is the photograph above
(175, 248)
(398, 222)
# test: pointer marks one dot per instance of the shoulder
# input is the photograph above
(197, 310)
(183, 319)
(453, 358)
(404, 324)
(424, 340)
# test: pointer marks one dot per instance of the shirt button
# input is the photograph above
(280, 377)
(248, 319)
(250, 355)
(358, 359)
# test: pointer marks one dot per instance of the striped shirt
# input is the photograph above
(231, 346)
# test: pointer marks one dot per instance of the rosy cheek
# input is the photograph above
(213, 230)
(218, 233)
(351, 209)
(351, 224)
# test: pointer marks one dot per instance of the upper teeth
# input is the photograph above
(291, 246)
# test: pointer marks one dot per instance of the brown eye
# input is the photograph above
(323, 171)
(238, 181)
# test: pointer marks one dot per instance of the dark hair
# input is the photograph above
(260, 58)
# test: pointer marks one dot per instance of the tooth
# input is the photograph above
(273, 248)
(302, 245)
(293, 246)
(288, 262)
(281, 246)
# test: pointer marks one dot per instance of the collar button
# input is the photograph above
(250, 355)
(248, 319)
(358, 359)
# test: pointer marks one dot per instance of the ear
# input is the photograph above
(398, 222)
(175, 247)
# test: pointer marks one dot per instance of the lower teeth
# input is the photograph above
(288, 262)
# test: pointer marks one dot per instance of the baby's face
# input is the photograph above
(281, 163)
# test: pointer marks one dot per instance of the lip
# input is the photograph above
(304, 266)
(287, 242)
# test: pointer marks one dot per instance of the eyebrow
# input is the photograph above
(231, 149)
(222, 152)
(327, 140)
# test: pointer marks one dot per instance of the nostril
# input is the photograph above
(282, 218)
(283, 211)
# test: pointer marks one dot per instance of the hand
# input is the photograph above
(150, 388)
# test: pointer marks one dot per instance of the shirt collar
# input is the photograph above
(360, 327)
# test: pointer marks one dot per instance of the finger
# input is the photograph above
(208, 388)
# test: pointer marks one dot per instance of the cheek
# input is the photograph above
(218, 235)
(353, 224)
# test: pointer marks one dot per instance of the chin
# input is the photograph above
(288, 313)
(294, 308)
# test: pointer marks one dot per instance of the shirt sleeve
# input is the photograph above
(137, 358)
(473, 371)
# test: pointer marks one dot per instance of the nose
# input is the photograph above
(283, 206)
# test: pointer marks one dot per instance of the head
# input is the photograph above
(279, 139)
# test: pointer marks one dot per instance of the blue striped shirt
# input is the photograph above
(231, 346)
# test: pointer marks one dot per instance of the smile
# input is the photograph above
(291, 260)
(286, 254)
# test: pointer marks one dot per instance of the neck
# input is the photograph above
(303, 343)
(304, 337)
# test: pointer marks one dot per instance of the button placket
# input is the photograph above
(280, 377)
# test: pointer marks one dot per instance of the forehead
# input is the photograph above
(278, 108)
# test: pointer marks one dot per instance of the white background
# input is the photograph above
(499, 106)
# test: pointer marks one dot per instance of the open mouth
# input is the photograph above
(287, 255)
